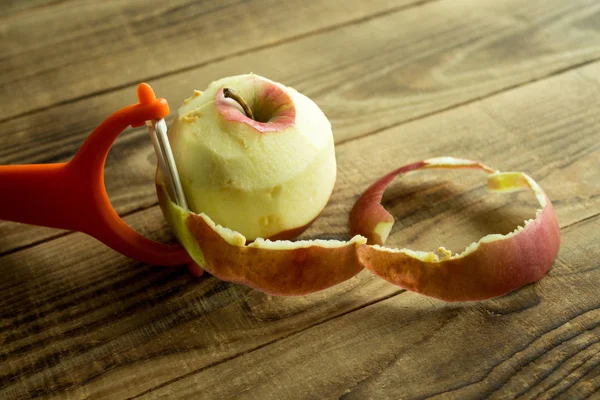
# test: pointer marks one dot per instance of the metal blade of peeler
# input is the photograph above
(166, 161)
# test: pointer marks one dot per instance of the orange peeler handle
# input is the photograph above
(73, 196)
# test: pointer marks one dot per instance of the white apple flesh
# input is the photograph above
(268, 176)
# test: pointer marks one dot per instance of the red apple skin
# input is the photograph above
(287, 272)
(368, 212)
(493, 269)
(283, 115)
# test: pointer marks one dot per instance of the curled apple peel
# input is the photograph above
(495, 265)
(259, 157)
(280, 267)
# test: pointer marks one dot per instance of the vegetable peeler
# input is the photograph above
(73, 196)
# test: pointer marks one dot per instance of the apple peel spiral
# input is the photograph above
(493, 266)
(256, 160)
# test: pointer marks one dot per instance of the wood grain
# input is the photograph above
(65, 52)
(78, 320)
(428, 66)
(427, 59)
(540, 342)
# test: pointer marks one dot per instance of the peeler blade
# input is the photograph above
(166, 161)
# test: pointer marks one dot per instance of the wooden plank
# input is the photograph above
(431, 62)
(87, 321)
(77, 319)
(541, 342)
(63, 52)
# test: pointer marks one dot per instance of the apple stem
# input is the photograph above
(232, 94)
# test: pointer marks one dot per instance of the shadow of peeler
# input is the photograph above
(72, 195)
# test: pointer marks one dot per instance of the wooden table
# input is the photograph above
(512, 83)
